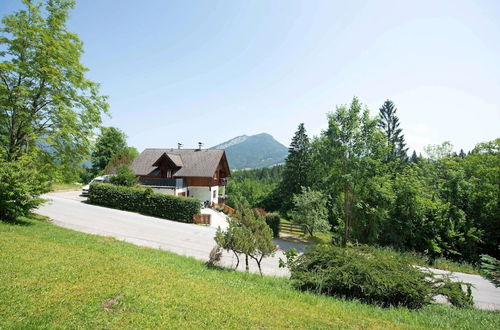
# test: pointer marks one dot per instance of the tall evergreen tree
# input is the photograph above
(461, 154)
(389, 123)
(297, 168)
(414, 157)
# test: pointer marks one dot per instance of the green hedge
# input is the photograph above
(144, 200)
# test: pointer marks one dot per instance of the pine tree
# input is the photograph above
(297, 168)
(414, 157)
(389, 123)
(461, 154)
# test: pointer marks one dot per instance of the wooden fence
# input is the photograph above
(202, 219)
(290, 228)
(227, 209)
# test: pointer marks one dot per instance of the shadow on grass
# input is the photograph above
(17, 222)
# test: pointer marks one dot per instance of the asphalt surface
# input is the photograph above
(68, 209)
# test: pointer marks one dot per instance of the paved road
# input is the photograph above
(67, 209)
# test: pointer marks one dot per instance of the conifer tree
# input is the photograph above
(297, 168)
(389, 123)
(414, 157)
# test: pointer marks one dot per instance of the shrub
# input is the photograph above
(20, 185)
(273, 221)
(144, 201)
(361, 273)
(124, 177)
(455, 294)
(491, 269)
(371, 275)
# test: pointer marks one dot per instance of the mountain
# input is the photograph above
(255, 151)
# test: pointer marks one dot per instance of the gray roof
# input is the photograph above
(193, 162)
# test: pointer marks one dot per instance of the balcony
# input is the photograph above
(163, 182)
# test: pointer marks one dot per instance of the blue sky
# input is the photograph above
(189, 71)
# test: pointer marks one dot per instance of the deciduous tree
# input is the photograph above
(310, 211)
(111, 142)
(46, 101)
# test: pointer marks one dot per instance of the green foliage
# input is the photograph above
(144, 201)
(122, 157)
(361, 273)
(273, 221)
(124, 177)
(309, 210)
(491, 268)
(296, 173)
(347, 161)
(267, 175)
(454, 293)
(290, 257)
(252, 190)
(389, 124)
(111, 142)
(21, 184)
(162, 288)
(46, 101)
(247, 234)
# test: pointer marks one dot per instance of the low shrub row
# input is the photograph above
(144, 200)
(372, 276)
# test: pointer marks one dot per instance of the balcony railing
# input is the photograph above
(163, 182)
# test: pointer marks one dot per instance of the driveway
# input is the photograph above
(67, 209)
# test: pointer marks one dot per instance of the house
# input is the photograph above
(200, 173)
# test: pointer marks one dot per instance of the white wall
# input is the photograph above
(167, 191)
(181, 190)
(204, 193)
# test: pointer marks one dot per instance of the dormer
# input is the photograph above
(168, 164)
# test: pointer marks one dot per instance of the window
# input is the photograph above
(215, 194)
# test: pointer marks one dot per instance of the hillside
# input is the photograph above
(255, 151)
(54, 277)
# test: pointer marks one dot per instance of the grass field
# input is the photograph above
(53, 277)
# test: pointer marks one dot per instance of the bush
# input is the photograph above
(372, 275)
(273, 221)
(491, 269)
(20, 185)
(145, 201)
(455, 294)
(361, 273)
(124, 177)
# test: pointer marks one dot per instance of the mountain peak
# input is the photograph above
(255, 151)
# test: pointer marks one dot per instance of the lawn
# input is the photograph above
(53, 277)
(65, 186)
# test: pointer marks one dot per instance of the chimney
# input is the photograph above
(179, 145)
(200, 145)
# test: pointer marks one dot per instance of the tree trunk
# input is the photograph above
(247, 269)
(347, 213)
(237, 260)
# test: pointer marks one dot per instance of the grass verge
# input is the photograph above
(57, 278)
(65, 186)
